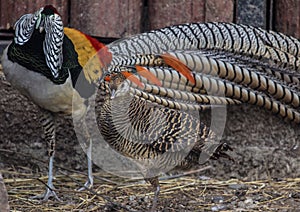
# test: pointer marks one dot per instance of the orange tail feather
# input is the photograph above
(178, 66)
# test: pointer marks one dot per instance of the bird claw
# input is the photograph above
(88, 185)
(45, 197)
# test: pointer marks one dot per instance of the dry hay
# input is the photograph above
(178, 192)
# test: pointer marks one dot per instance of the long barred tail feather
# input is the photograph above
(220, 60)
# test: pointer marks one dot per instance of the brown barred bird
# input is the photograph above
(157, 138)
(179, 69)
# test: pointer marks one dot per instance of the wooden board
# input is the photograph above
(221, 11)
(163, 13)
(287, 17)
(115, 18)
(12, 10)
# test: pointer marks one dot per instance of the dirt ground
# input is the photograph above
(264, 176)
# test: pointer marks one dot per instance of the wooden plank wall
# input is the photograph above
(11, 10)
(119, 18)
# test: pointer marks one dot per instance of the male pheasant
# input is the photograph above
(44, 62)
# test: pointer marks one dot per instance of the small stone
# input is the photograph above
(241, 204)
(218, 207)
(202, 177)
(131, 198)
(217, 199)
(248, 201)
(237, 186)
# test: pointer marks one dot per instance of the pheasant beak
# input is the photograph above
(113, 93)
(41, 29)
(40, 23)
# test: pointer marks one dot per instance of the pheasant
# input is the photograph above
(157, 138)
(44, 62)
